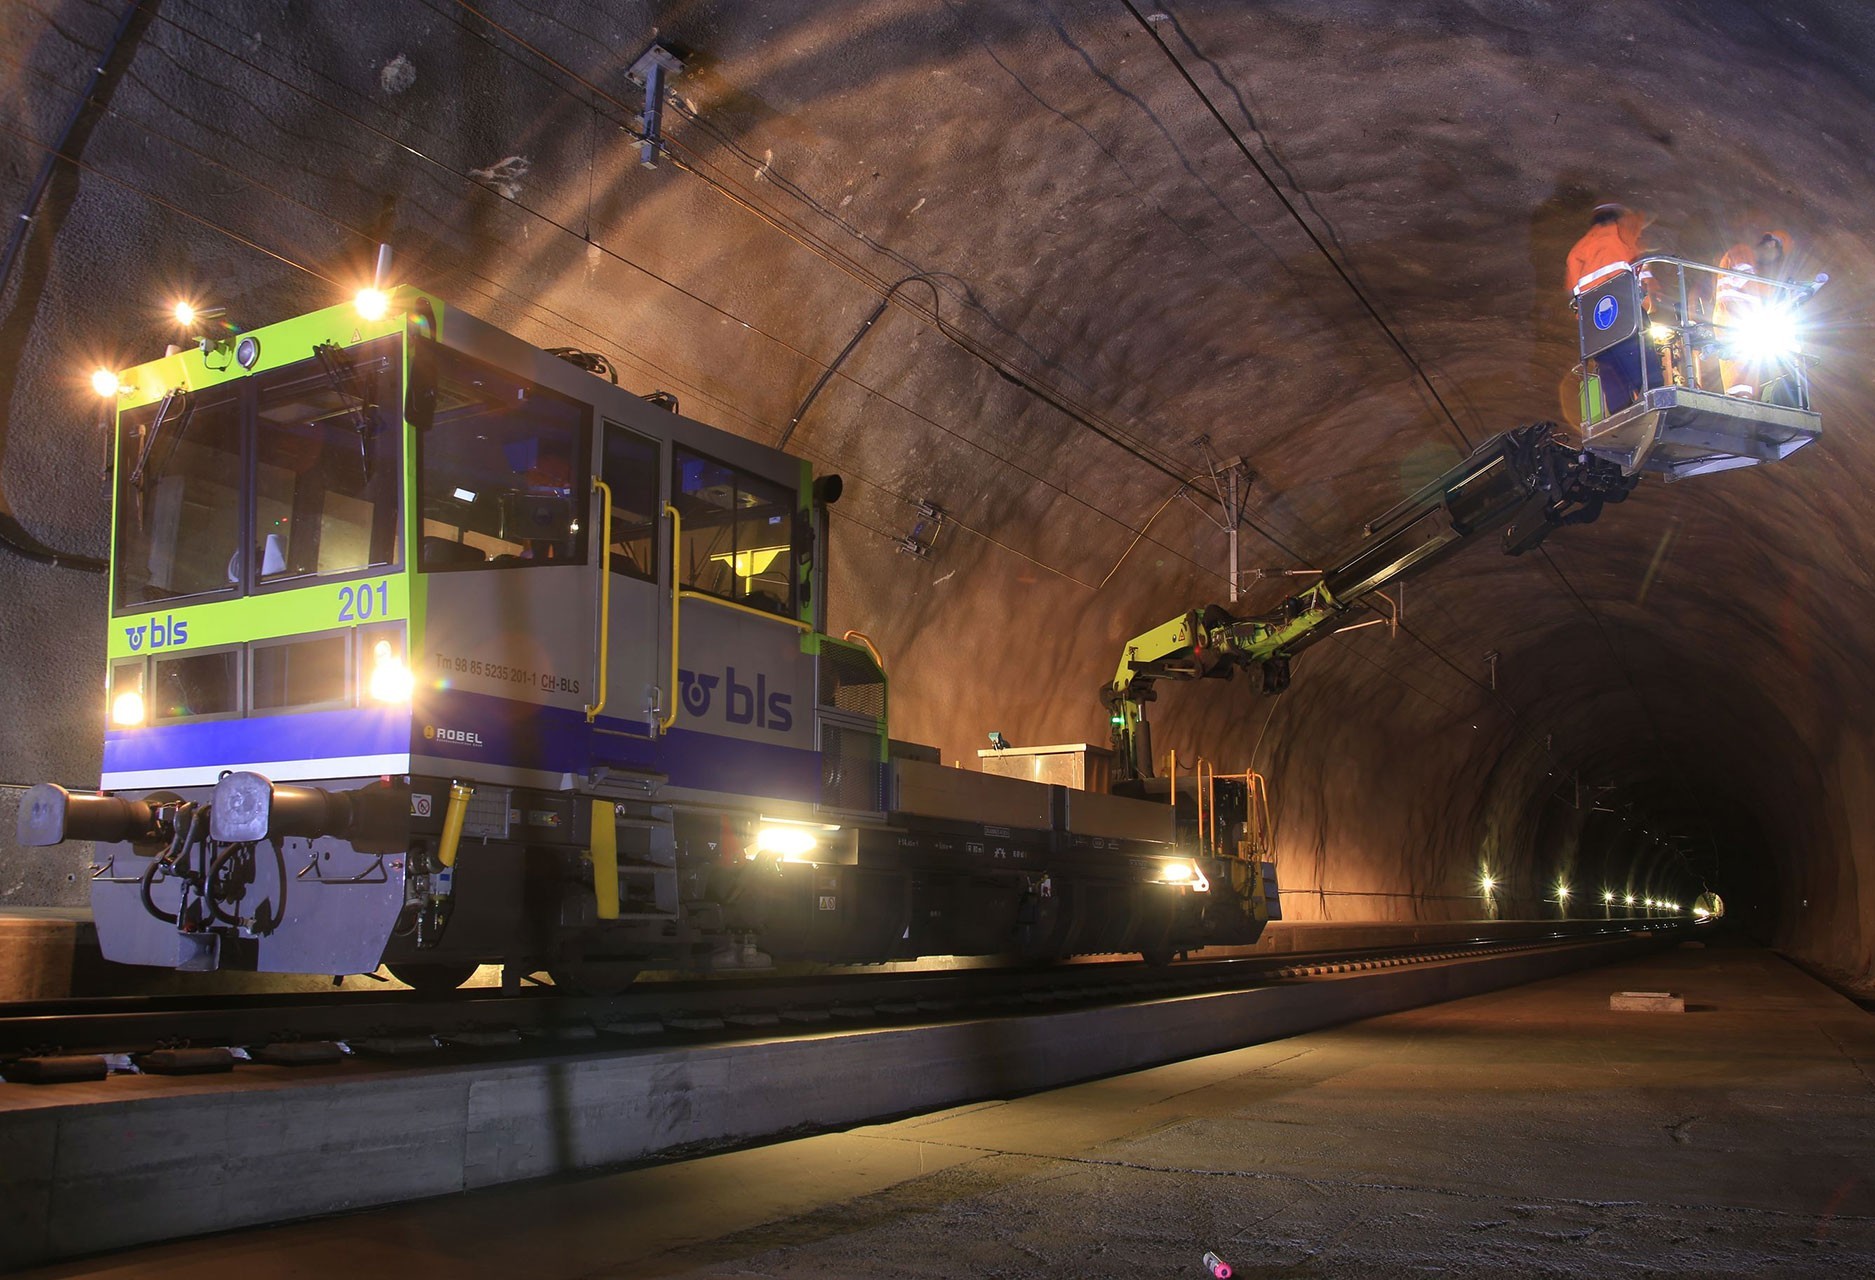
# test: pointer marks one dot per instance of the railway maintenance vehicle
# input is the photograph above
(430, 649)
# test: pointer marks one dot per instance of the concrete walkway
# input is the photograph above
(1527, 1132)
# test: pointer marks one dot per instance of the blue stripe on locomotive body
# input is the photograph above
(358, 740)
(472, 729)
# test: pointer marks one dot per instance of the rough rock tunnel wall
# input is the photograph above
(1681, 694)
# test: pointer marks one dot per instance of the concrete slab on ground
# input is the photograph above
(1531, 1131)
(274, 1144)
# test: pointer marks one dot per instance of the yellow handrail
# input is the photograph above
(605, 596)
(751, 610)
(604, 844)
(670, 695)
(871, 648)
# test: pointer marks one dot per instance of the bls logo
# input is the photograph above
(746, 704)
(162, 634)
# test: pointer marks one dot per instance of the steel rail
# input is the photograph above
(691, 1009)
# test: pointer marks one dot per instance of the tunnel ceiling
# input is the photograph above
(1117, 289)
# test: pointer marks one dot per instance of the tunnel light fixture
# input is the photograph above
(1562, 892)
(1608, 897)
(1487, 883)
(1630, 900)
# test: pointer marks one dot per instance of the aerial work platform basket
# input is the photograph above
(1713, 378)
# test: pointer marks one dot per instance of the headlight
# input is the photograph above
(127, 709)
(784, 843)
(391, 680)
(1184, 873)
(1767, 333)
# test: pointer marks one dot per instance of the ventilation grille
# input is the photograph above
(849, 682)
(851, 777)
(487, 815)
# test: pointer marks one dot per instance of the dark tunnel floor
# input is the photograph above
(1528, 1132)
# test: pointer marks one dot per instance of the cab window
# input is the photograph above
(327, 465)
(738, 533)
(179, 504)
(631, 472)
(503, 472)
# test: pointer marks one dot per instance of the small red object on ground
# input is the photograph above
(1217, 1266)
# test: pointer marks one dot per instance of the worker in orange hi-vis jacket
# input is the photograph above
(1611, 245)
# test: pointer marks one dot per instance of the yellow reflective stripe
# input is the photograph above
(1613, 268)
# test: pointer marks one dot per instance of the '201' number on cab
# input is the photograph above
(360, 601)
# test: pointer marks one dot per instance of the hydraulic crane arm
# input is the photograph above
(1525, 482)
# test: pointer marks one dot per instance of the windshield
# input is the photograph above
(324, 453)
(738, 532)
(179, 521)
(325, 476)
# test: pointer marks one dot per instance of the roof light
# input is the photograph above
(105, 383)
(185, 314)
(373, 304)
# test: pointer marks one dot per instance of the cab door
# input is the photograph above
(636, 619)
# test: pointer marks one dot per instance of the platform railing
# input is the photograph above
(1682, 340)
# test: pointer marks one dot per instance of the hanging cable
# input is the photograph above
(1328, 256)
(418, 154)
(781, 442)
(107, 72)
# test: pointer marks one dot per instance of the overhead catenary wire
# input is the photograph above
(254, 245)
(1044, 393)
(419, 154)
(1405, 352)
(1001, 365)
(528, 302)
(107, 71)
(1295, 214)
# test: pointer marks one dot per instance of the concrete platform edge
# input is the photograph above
(94, 1176)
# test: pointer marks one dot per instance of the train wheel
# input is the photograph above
(594, 977)
(433, 979)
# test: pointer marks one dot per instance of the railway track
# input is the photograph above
(487, 1021)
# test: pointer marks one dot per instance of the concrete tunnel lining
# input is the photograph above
(1102, 232)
